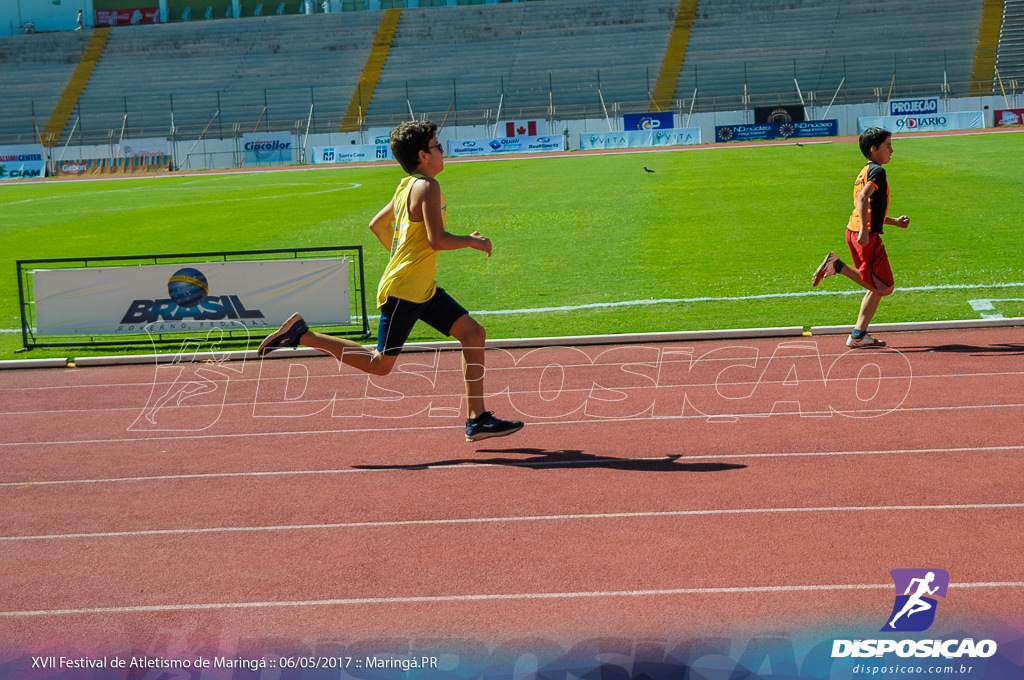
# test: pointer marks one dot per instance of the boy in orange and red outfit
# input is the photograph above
(871, 269)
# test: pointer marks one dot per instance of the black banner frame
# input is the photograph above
(31, 339)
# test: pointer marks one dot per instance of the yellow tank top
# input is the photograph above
(412, 267)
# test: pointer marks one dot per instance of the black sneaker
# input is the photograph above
(286, 336)
(486, 425)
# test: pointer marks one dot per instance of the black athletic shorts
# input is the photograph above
(398, 316)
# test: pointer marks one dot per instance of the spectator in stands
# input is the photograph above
(79, 21)
(412, 226)
(871, 269)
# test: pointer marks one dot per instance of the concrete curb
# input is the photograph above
(523, 343)
(449, 345)
(921, 326)
(33, 363)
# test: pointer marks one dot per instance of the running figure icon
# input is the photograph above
(916, 603)
(917, 592)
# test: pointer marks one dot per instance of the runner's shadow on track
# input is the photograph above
(542, 459)
(1011, 350)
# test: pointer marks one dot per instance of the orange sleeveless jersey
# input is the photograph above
(878, 204)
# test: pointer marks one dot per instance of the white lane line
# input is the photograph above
(585, 462)
(445, 599)
(596, 420)
(241, 383)
(502, 520)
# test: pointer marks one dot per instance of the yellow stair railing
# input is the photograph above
(988, 43)
(675, 53)
(356, 111)
(76, 85)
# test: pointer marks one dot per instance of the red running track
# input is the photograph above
(658, 490)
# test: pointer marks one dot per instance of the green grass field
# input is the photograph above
(723, 237)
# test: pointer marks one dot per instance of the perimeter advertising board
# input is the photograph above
(504, 145)
(131, 16)
(267, 148)
(22, 161)
(638, 139)
(941, 122)
(138, 164)
(143, 146)
(189, 297)
(786, 113)
(1008, 117)
(353, 153)
(648, 121)
(801, 129)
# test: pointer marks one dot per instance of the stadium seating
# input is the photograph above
(1010, 56)
(33, 72)
(260, 72)
(536, 54)
(560, 59)
(772, 47)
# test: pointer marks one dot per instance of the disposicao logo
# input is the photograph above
(914, 611)
(916, 591)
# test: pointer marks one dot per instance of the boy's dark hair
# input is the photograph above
(873, 136)
(408, 139)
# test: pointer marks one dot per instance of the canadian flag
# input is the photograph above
(519, 128)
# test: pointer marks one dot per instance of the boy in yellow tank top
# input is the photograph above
(412, 226)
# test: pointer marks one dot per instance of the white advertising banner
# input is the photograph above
(184, 298)
(502, 145)
(266, 148)
(22, 161)
(353, 153)
(633, 139)
(939, 122)
(143, 146)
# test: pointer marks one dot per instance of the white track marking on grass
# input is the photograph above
(986, 306)
(740, 298)
(468, 467)
(386, 524)
(184, 187)
(218, 201)
(710, 299)
(450, 599)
